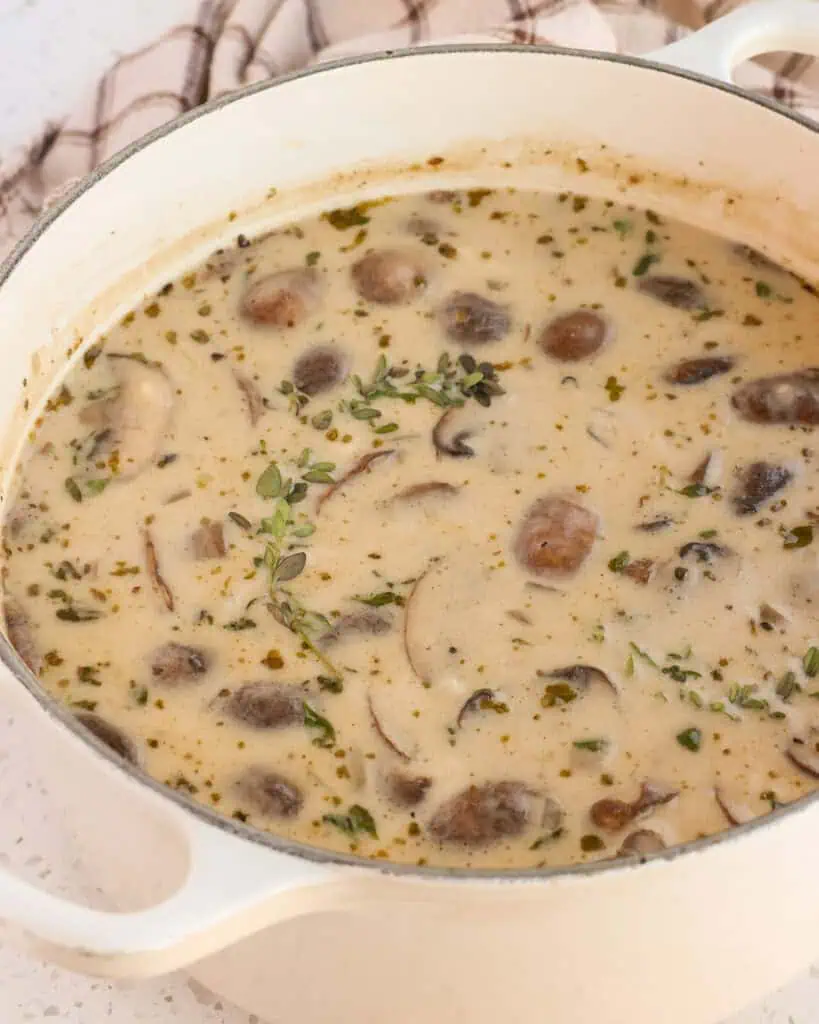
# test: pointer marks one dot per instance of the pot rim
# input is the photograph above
(305, 851)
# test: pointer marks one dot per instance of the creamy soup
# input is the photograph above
(467, 529)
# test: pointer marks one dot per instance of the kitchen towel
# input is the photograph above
(220, 45)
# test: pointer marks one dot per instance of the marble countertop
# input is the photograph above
(50, 51)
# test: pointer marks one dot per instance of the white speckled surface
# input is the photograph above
(50, 50)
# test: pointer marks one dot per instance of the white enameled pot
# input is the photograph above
(288, 932)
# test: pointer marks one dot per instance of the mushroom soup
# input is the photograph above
(467, 529)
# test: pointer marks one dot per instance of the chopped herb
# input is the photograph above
(614, 389)
(798, 537)
(357, 820)
(642, 655)
(548, 838)
(85, 705)
(680, 675)
(313, 720)
(644, 263)
(695, 491)
(743, 697)
(351, 217)
(141, 695)
(74, 614)
(312, 258)
(288, 568)
(558, 693)
(619, 562)
(240, 520)
(787, 686)
(591, 843)
(239, 624)
(331, 684)
(691, 739)
(594, 745)
(810, 662)
(622, 227)
(73, 488)
(96, 487)
(380, 599)
(763, 290)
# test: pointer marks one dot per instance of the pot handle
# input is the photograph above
(233, 888)
(764, 26)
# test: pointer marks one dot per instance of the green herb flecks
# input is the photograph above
(313, 720)
(691, 739)
(619, 562)
(380, 599)
(73, 488)
(787, 686)
(356, 821)
(614, 389)
(644, 263)
(596, 745)
(798, 537)
(810, 662)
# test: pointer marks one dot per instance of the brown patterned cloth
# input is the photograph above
(220, 45)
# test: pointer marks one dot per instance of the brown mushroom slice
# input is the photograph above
(265, 705)
(640, 570)
(757, 259)
(111, 735)
(758, 483)
(173, 663)
(430, 489)
(472, 319)
(152, 563)
(481, 815)
(785, 398)
(406, 790)
(416, 638)
(555, 537)
(481, 700)
(385, 733)
(704, 551)
(677, 292)
(390, 277)
(580, 677)
(804, 751)
(641, 843)
(319, 369)
(21, 636)
(612, 815)
(575, 336)
(363, 464)
(450, 434)
(133, 422)
(553, 816)
(254, 400)
(737, 812)
(364, 623)
(708, 471)
(282, 300)
(697, 370)
(208, 541)
(268, 793)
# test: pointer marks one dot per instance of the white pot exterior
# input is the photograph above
(685, 939)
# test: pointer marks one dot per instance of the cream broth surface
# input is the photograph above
(469, 529)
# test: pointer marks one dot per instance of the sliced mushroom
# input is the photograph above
(575, 336)
(695, 371)
(640, 570)
(254, 401)
(580, 677)
(152, 563)
(736, 812)
(361, 465)
(555, 537)
(785, 398)
(612, 815)
(21, 635)
(208, 541)
(414, 645)
(757, 259)
(430, 489)
(708, 472)
(406, 790)
(704, 551)
(173, 663)
(282, 300)
(773, 616)
(678, 292)
(553, 816)
(480, 700)
(758, 483)
(319, 369)
(804, 752)
(111, 735)
(641, 843)
(481, 815)
(655, 525)
(449, 436)
(364, 623)
(131, 424)
(269, 793)
(472, 319)
(390, 277)
(386, 734)
(265, 705)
